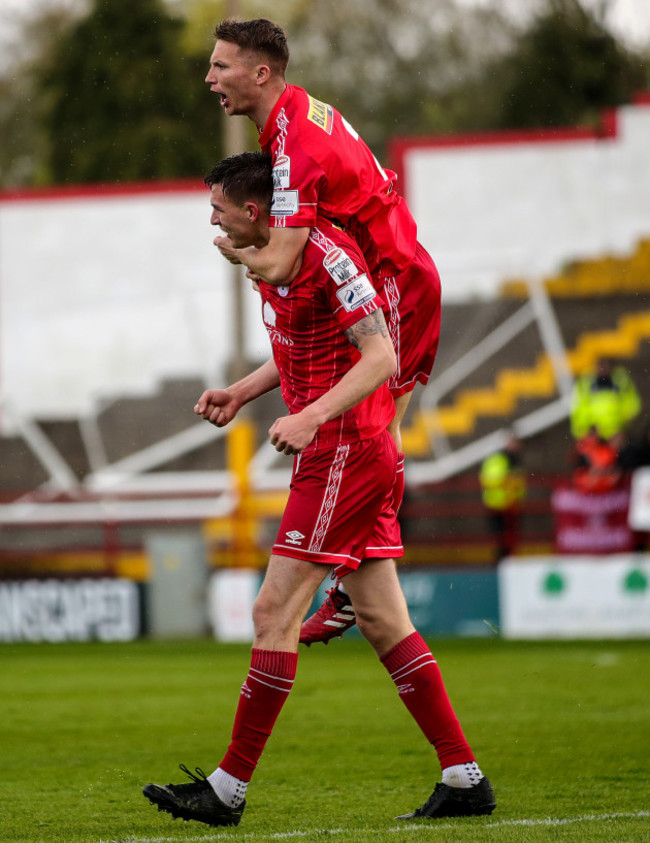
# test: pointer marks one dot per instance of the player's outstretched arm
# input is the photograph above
(377, 363)
(278, 262)
(220, 406)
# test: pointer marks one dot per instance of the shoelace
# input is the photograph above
(334, 596)
(201, 776)
(330, 598)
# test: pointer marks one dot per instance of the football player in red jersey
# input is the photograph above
(332, 357)
(323, 168)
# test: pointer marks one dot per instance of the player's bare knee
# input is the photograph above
(369, 633)
(272, 621)
(265, 614)
(374, 628)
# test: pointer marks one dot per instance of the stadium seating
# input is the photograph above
(586, 295)
(601, 307)
(512, 385)
(604, 276)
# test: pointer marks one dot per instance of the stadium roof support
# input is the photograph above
(537, 310)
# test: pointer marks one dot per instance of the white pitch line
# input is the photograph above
(401, 829)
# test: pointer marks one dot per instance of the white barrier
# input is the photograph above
(231, 596)
(575, 597)
(69, 610)
(639, 515)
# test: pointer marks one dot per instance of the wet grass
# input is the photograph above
(562, 729)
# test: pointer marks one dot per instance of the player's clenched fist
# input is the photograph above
(218, 406)
(291, 434)
(224, 244)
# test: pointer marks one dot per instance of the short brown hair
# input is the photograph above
(244, 177)
(259, 35)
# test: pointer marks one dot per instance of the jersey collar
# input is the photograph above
(269, 131)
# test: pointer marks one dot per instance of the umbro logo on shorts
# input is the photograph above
(294, 537)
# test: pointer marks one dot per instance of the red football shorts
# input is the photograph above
(413, 302)
(341, 506)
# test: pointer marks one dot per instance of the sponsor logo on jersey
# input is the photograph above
(356, 293)
(278, 338)
(268, 315)
(294, 537)
(282, 123)
(340, 266)
(282, 172)
(321, 114)
(285, 203)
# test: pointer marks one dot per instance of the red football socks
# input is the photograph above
(419, 683)
(263, 694)
(411, 667)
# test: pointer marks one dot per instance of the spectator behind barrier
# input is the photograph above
(503, 489)
(597, 464)
(604, 402)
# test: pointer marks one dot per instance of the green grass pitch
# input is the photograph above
(562, 729)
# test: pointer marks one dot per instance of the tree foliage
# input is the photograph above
(394, 66)
(23, 140)
(565, 68)
(407, 67)
(121, 100)
(115, 91)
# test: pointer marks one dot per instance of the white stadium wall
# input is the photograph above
(104, 292)
(521, 204)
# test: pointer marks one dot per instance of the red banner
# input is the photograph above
(591, 523)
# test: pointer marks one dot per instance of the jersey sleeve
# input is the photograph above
(347, 286)
(354, 300)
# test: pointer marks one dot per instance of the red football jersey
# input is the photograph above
(306, 322)
(321, 167)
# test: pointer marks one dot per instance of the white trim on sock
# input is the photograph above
(462, 775)
(229, 789)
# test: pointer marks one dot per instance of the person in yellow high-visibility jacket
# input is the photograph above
(604, 402)
(503, 488)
